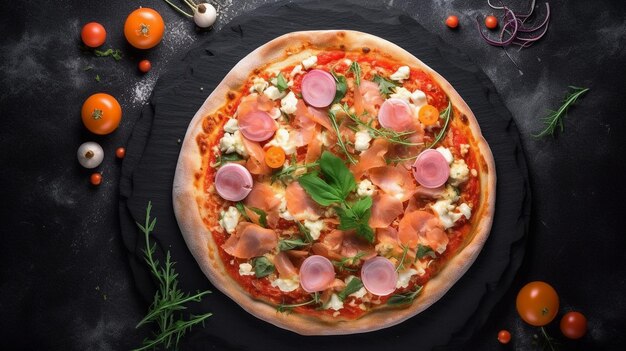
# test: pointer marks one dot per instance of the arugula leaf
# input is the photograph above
(353, 286)
(281, 82)
(337, 174)
(385, 85)
(222, 159)
(262, 267)
(116, 54)
(348, 261)
(97, 78)
(262, 216)
(290, 244)
(305, 232)
(342, 87)
(319, 190)
(423, 251)
(242, 209)
(356, 69)
(406, 298)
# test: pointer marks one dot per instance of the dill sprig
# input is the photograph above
(390, 135)
(169, 300)
(555, 118)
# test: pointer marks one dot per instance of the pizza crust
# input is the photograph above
(187, 195)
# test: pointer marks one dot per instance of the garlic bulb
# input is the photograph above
(204, 15)
(90, 154)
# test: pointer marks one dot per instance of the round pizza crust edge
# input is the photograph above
(204, 249)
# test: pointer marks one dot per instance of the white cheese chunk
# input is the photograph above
(450, 193)
(459, 173)
(275, 113)
(402, 94)
(334, 303)
(314, 227)
(443, 209)
(404, 278)
(286, 285)
(359, 293)
(283, 140)
(288, 103)
(401, 74)
(245, 269)
(273, 93)
(362, 140)
(446, 153)
(465, 210)
(365, 188)
(233, 143)
(309, 62)
(323, 137)
(464, 148)
(419, 98)
(229, 219)
(258, 85)
(295, 71)
(231, 125)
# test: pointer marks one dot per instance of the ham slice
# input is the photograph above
(351, 245)
(367, 98)
(250, 240)
(284, 266)
(305, 124)
(396, 181)
(299, 204)
(424, 228)
(256, 161)
(371, 158)
(314, 150)
(385, 209)
(262, 197)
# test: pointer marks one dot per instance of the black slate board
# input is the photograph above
(148, 172)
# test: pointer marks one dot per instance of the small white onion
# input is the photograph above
(90, 154)
(204, 15)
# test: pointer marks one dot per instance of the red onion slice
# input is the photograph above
(501, 42)
(257, 125)
(233, 182)
(395, 114)
(318, 88)
(379, 276)
(316, 273)
(431, 169)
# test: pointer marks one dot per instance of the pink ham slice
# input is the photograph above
(284, 266)
(371, 158)
(250, 240)
(394, 180)
(262, 197)
(367, 98)
(299, 204)
(385, 209)
(422, 227)
(256, 162)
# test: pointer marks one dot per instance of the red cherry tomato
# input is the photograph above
(574, 325)
(93, 34)
(504, 336)
(145, 66)
(537, 303)
(452, 21)
(491, 22)
(96, 178)
(120, 152)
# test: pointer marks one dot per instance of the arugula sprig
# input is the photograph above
(356, 69)
(423, 251)
(287, 172)
(291, 243)
(262, 215)
(262, 267)
(386, 86)
(390, 135)
(281, 83)
(116, 54)
(334, 189)
(555, 118)
(342, 87)
(342, 144)
(405, 298)
(446, 115)
(353, 286)
(169, 301)
(222, 159)
(287, 308)
(346, 262)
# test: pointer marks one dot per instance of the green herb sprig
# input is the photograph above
(555, 119)
(262, 267)
(385, 85)
(423, 251)
(333, 121)
(342, 87)
(390, 135)
(115, 54)
(281, 83)
(354, 285)
(286, 308)
(223, 159)
(169, 301)
(405, 298)
(356, 69)
(287, 172)
(345, 262)
(446, 115)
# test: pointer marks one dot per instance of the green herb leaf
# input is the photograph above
(281, 82)
(319, 190)
(423, 251)
(305, 232)
(262, 216)
(406, 298)
(353, 286)
(337, 174)
(290, 244)
(342, 87)
(356, 69)
(242, 210)
(223, 159)
(405, 250)
(97, 78)
(286, 308)
(116, 54)
(262, 267)
(357, 217)
(340, 142)
(555, 118)
(385, 85)
(345, 263)
(446, 115)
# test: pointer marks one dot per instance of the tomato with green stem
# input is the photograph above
(144, 28)
(537, 303)
(101, 113)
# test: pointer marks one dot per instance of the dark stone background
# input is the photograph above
(64, 278)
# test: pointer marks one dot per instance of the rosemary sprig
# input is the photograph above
(169, 300)
(446, 115)
(356, 69)
(340, 142)
(283, 308)
(288, 171)
(390, 135)
(405, 250)
(555, 118)
(345, 262)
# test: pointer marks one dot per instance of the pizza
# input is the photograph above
(332, 183)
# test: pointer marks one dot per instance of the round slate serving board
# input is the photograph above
(148, 172)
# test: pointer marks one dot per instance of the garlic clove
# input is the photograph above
(204, 15)
(90, 154)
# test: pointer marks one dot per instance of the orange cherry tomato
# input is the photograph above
(574, 325)
(504, 336)
(491, 22)
(537, 303)
(93, 34)
(275, 157)
(452, 21)
(145, 66)
(428, 115)
(120, 152)
(96, 178)
(144, 28)
(101, 113)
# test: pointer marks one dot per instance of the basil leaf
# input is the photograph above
(319, 190)
(281, 83)
(290, 244)
(349, 219)
(262, 214)
(365, 231)
(362, 206)
(342, 87)
(356, 69)
(262, 267)
(385, 85)
(353, 286)
(423, 251)
(403, 299)
(337, 174)
(242, 209)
